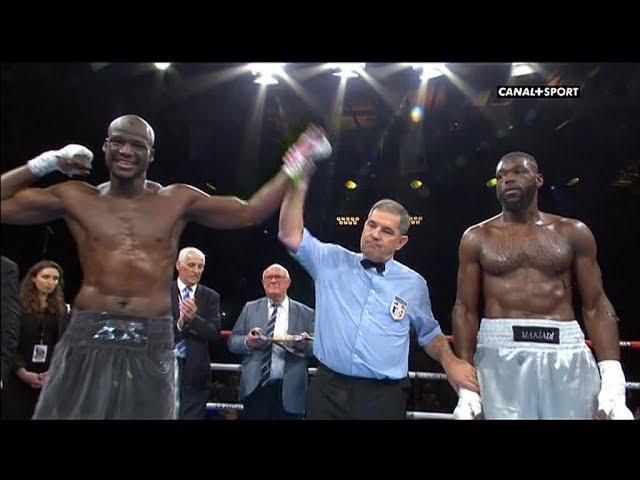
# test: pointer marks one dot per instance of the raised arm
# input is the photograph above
(227, 212)
(25, 206)
(292, 216)
(292, 210)
(231, 212)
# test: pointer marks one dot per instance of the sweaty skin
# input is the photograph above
(127, 230)
(524, 262)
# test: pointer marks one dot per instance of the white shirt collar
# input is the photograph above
(284, 304)
(182, 285)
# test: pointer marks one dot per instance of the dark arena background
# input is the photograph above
(430, 143)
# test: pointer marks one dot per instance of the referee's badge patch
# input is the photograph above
(398, 308)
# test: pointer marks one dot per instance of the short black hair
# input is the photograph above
(526, 156)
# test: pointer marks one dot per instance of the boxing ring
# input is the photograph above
(429, 376)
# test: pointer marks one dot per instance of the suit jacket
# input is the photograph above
(10, 316)
(294, 381)
(204, 328)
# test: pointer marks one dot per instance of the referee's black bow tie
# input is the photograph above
(366, 263)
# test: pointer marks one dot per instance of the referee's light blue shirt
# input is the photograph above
(355, 330)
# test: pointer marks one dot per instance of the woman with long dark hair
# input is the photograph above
(44, 318)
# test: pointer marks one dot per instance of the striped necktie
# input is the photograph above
(181, 347)
(265, 367)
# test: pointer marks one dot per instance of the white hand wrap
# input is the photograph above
(308, 148)
(469, 405)
(294, 164)
(611, 399)
(314, 146)
(48, 162)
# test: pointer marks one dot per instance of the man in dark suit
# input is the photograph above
(196, 309)
(273, 384)
(10, 315)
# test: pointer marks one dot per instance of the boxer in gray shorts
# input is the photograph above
(128, 231)
(529, 352)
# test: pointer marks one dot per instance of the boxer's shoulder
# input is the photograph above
(179, 189)
(75, 187)
(481, 229)
(569, 228)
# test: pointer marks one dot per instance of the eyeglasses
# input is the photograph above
(118, 143)
(273, 277)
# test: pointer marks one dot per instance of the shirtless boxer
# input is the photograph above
(116, 358)
(529, 352)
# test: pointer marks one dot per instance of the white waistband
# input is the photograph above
(520, 332)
